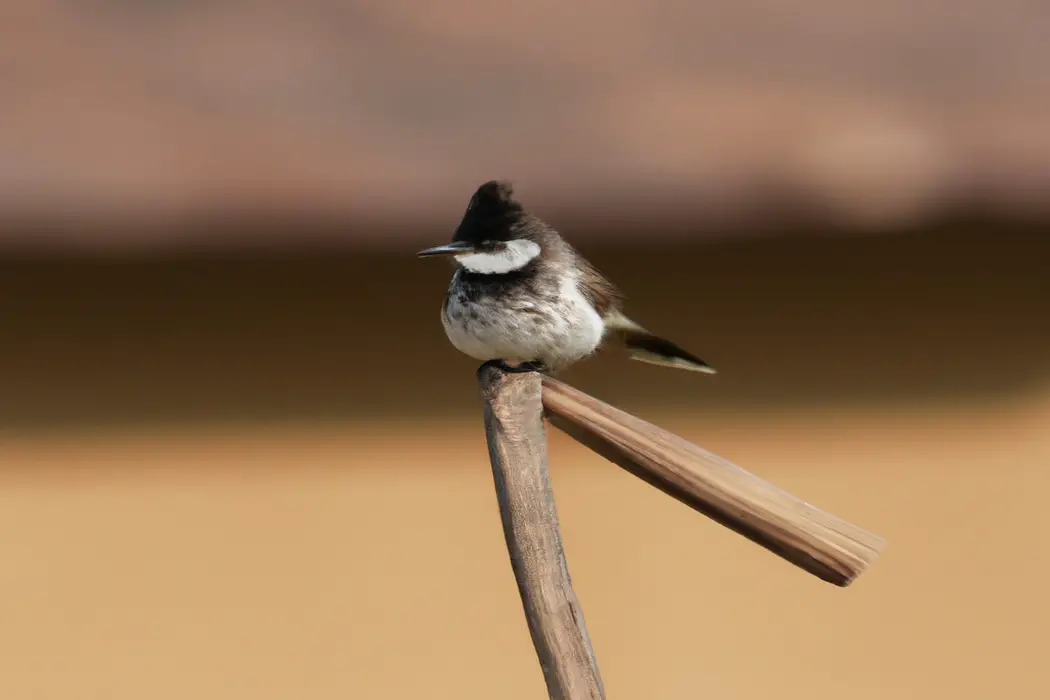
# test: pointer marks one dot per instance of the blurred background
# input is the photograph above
(238, 458)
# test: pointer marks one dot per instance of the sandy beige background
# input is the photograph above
(241, 479)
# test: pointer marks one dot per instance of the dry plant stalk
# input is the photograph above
(517, 443)
(813, 540)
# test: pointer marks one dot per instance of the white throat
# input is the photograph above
(514, 256)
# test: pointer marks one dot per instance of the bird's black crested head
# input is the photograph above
(491, 215)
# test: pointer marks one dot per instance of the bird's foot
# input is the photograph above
(534, 366)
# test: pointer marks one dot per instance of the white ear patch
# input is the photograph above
(514, 256)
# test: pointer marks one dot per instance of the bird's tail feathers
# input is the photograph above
(647, 347)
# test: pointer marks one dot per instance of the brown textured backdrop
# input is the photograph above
(861, 114)
(265, 478)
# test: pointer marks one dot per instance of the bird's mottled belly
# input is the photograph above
(558, 329)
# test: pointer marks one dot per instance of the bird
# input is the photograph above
(522, 297)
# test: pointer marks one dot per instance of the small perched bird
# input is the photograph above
(523, 297)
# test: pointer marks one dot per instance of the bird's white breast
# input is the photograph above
(557, 329)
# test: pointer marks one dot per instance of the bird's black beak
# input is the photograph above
(453, 248)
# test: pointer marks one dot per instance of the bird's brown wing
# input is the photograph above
(641, 344)
(603, 295)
